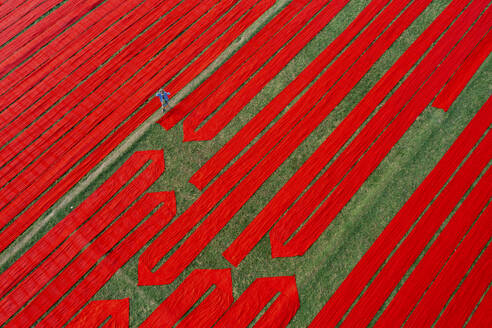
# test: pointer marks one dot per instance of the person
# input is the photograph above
(164, 98)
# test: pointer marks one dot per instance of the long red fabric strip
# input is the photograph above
(37, 253)
(294, 44)
(469, 293)
(23, 16)
(241, 139)
(97, 312)
(28, 116)
(61, 251)
(464, 74)
(8, 18)
(37, 108)
(64, 55)
(9, 7)
(387, 279)
(215, 49)
(224, 212)
(45, 30)
(96, 119)
(209, 310)
(314, 227)
(435, 258)
(32, 142)
(83, 292)
(368, 265)
(301, 179)
(120, 247)
(296, 113)
(436, 297)
(481, 317)
(26, 218)
(31, 99)
(220, 75)
(315, 117)
(256, 297)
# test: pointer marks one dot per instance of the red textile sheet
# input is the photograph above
(23, 16)
(70, 51)
(97, 312)
(46, 131)
(51, 98)
(282, 48)
(209, 310)
(215, 49)
(254, 299)
(224, 212)
(243, 54)
(356, 281)
(8, 7)
(435, 258)
(26, 218)
(292, 189)
(109, 252)
(436, 297)
(219, 303)
(97, 120)
(241, 139)
(481, 317)
(314, 227)
(391, 274)
(43, 32)
(42, 262)
(469, 293)
(61, 231)
(464, 74)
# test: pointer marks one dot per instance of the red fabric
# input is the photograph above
(240, 314)
(434, 259)
(115, 138)
(223, 42)
(256, 297)
(7, 7)
(464, 74)
(70, 40)
(110, 123)
(66, 239)
(356, 281)
(67, 60)
(23, 16)
(47, 131)
(207, 230)
(36, 254)
(177, 305)
(42, 32)
(469, 293)
(436, 297)
(120, 249)
(391, 274)
(301, 179)
(481, 317)
(311, 230)
(97, 312)
(221, 74)
(241, 139)
(293, 44)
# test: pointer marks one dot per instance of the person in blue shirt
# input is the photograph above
(164, 98)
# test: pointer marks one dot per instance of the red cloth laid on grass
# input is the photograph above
(97, 312)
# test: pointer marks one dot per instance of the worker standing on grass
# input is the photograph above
(164, 97)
